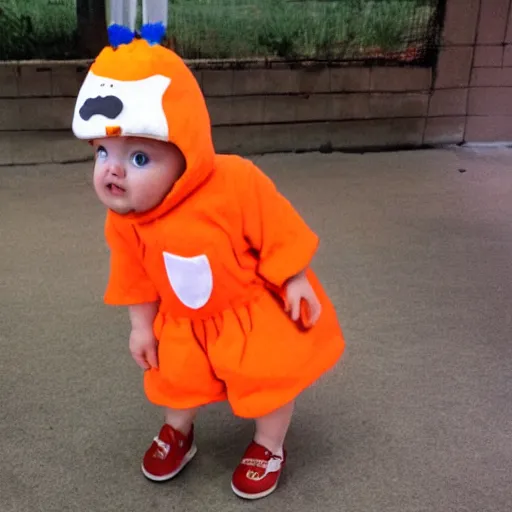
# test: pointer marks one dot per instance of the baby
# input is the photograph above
(210, 259)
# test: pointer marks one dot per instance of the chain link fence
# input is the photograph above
(387, 31)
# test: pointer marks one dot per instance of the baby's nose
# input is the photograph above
(117, 170)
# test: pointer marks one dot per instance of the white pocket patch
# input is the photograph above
(190, 278)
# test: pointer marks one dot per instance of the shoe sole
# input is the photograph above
(258, 496)
(164, 478)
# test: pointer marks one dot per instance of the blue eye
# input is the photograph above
(140, 159)
(101, 152)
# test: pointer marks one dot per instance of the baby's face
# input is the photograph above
(133, 174)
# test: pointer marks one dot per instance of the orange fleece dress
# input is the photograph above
(216, 253)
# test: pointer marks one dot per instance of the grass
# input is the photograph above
(293, 29)
(37, 29)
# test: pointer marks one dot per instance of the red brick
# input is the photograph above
(488, 56)
(454, 67)
(490, 101)
(491, 77)
(398, 105)
(508, 35)
(448, 102)
(507, 56)
(388, 79)
(8, 80)
(350, 79)
(489, 129)
(444, 130)
(217, 82)
(349, 106)
(493, 21)
(461, 20)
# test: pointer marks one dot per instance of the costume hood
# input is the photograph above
(142, 89)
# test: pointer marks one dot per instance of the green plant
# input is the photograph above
(36, 29)
(17, 38)
(293, 29)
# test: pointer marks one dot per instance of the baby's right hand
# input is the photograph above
(143, 347)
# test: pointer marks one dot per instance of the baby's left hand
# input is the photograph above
(298, 288)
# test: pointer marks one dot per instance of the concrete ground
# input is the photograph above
(417, 257)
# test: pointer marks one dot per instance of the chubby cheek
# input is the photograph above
(146, 193)
(96, 180)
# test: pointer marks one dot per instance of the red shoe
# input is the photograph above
(258, 474)
(169, 453)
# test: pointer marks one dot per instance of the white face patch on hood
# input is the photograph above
(113, 107)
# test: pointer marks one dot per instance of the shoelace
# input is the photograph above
(163, 447)
(274, 464)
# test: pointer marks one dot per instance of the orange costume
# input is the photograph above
(216, 253)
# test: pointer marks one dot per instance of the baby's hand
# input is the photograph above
(143, 347)
(298, 289)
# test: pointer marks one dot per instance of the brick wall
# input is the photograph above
(306, 109)
(490, 86)
(257, 109)
(476, 64)
(262, 107)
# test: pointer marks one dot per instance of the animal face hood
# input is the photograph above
(145, 90)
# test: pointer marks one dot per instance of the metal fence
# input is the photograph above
(386, 31)
(333, 30)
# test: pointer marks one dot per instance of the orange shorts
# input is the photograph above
(253, 356)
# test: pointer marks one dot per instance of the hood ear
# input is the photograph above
(155, 15)
(123, 14)
(119, 34)
(153, 33)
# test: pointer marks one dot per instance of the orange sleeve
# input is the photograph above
(128, 282)
(284, 242)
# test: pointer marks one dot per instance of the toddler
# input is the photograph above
(210, 259)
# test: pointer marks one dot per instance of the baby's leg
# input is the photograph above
(258, 473)
(271, 429)
(181, 419)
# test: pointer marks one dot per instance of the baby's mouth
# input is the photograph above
(115, 189)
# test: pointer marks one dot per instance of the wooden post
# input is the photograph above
(91, 27)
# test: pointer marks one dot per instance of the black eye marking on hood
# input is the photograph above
(108, 106)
